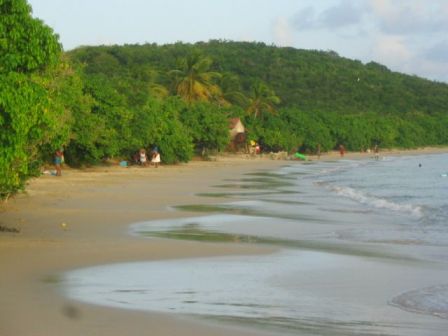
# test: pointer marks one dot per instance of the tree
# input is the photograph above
(193, 80)
(26, 44)
(261, 99)
(103, 127)
(28, 49)
(208, 126)
(273, 133)
(158, 123)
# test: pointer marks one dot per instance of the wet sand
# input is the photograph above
(82, 219)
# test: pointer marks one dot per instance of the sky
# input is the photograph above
(409, 36)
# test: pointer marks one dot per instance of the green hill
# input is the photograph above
(298, 99)
(306, 79)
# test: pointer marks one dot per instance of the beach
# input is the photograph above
(97, 207)
(82, 219)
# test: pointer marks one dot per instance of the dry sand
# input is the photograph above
(97, 207)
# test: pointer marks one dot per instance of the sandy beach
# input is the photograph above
(97, 206)
(82, 219)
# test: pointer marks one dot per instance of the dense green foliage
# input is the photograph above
(294, 99)
(207, 125)
(29, 118)
(26, 44)
(108, 102)
(309, 80)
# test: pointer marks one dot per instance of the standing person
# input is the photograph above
(376, 152)
(341, 150)
(318, 151)
(58, 159)
(143, 158)
(155, 159)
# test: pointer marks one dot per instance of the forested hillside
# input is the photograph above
(109, 101)
(288, 98)
(306, 79)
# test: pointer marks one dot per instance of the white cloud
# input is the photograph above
(400, 55)
(411, 36)
(405, 35)
(410, 17)
(283, 32)
(391, 49)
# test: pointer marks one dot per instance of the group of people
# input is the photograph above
(142, 158)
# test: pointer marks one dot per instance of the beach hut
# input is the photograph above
(235, 127)
(237, 133)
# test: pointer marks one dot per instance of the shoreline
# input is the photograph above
(97, 206)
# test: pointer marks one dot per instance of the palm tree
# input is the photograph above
(231, 90)
(153, 78)
(193, 79)
(262, 99)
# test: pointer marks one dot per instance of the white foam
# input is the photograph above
(430, 300)
(376, 202)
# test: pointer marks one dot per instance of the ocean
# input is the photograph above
(361, 249)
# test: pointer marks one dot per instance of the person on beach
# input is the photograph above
(318, 151)
(155, 159)
(341, 150)
(143, 158)
(376, 152)
(58, 160)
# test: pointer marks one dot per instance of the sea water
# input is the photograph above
(362, 250)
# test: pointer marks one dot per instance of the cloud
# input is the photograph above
(343, 14)
(401, 55)
(283, 32)
(305, 19)
(346, 13)
(388, 16)
(412, 36)
(406, 35)
(392, 50)
(410, 17)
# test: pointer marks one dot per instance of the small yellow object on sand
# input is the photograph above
(64, 225)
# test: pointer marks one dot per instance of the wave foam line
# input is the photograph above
(376, 202)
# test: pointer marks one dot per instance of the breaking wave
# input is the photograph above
(376, 202)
